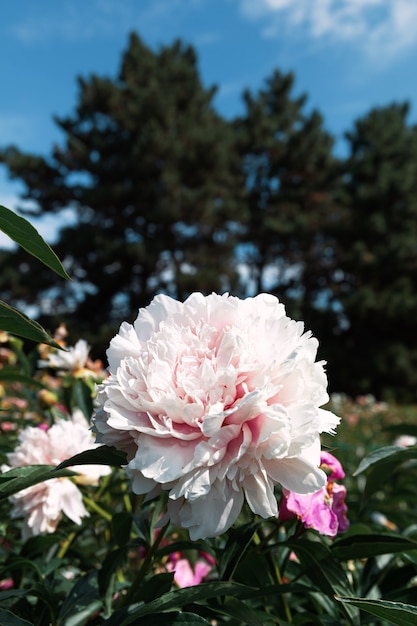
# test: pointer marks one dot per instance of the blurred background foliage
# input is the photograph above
(171, 197)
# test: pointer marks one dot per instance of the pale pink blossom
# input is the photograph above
(405, 440)
(325, 510)
(215, 400)
(42, 505)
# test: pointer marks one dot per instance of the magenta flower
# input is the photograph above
(325, 510)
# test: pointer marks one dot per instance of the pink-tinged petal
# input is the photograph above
(296, 475)
(71, 502)
(260, 496)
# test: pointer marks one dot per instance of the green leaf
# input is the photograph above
(237, 544)
(375, 457)
(156, 586)
(235, 608)
(7, 618)
(364, 546)
(15, 322)
(393, 612)
(172, 619)
(23, 233)
(178, 598)
(20, 478)
(113, 560)
(382, 463)
(81, 603)
(102, 455)
(322, 568)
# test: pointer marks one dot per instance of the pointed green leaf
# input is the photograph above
(7, 618)
(375, 457)
(382, 463)
(20, 478)
(81, 603)
(15, 322)
(102, 455)
(23, 233)
(395, 613)
(322, 569)
(178, 598)
(365, 546)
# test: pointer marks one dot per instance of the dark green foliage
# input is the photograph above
(290, 173)
(377, 257)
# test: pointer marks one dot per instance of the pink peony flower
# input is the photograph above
(215, 400)
(42, 505)
(325, 510)
(186, 575)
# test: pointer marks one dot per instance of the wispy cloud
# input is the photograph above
(98, 18)
(382, 29)
(72, 22)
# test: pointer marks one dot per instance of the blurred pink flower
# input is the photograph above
(325, 510)
(186, 575)
(42, 505)
(6, 583)
(215, 400)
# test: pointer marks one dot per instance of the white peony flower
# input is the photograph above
(42, 505)
(215, 400)
(72, 359)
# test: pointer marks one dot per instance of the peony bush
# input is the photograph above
(201, 476)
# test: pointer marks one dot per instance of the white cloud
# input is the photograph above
(380, 28)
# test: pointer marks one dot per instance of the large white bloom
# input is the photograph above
(42, 505)
(215, 400)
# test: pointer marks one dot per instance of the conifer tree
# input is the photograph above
(378, 257)
(147, 168)
(290, 181)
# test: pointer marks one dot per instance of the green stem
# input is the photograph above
(95, 507)
(65, 545)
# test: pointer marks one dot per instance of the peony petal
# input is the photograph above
(296, 474)
(212, 515)
(163, 460)
(260, 496)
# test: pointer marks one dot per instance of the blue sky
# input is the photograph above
(347, 56)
